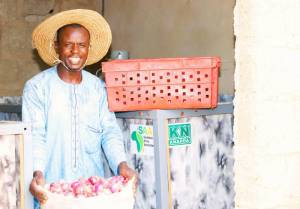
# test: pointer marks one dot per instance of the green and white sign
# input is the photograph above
(179, 134)
(141, 139)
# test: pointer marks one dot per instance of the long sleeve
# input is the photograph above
(33, 113)
(112, 139)
(70, 123)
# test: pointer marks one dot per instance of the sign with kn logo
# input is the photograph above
(179, 134)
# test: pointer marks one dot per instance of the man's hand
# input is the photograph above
(38, 180)
(128, 173)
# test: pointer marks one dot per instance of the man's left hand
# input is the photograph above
(128, 173)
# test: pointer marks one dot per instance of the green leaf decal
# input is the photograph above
(138, 138)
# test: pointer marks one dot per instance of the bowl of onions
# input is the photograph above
(90, 193)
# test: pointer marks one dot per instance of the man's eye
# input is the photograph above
(82, 45)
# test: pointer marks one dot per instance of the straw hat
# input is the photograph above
(44, 34)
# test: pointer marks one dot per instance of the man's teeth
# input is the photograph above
(74, 60)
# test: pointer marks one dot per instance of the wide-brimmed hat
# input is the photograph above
(44, 34)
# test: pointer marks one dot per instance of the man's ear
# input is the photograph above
(56, 47)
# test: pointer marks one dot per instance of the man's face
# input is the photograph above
(73, 46)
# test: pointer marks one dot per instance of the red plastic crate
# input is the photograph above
(165, 83)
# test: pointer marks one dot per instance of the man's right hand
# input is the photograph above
(37, 182)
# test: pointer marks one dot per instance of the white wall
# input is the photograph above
(267, 100)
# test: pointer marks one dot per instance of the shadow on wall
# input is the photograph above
(36, 57)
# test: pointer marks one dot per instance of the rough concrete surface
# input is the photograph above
(153, 29)
(146, 29)
(18, 60)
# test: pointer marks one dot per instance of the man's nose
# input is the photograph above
(75, 48)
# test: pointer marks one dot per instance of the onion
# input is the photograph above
(94, 179)
(98, 188)
(89, 187)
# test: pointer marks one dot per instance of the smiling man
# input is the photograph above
(72, 46)
(67, 106)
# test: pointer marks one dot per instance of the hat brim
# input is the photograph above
(44, 34)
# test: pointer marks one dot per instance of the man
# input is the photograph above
(67, 106)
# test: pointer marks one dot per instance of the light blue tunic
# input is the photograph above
(70, 124)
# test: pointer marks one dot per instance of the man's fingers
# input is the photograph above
(43, 200)
(37, 192)
(131, 173)
(41, 196)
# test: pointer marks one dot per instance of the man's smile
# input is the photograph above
(74, 60)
